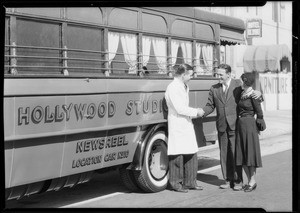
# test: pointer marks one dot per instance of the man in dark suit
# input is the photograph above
(224, 97)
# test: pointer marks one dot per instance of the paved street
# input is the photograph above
(274, 191)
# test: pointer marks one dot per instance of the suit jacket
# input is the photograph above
(226, 107)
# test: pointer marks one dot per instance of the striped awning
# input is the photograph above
(266, 58)
(231, 36)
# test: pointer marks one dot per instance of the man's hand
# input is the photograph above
(200, 112)
(256, 94)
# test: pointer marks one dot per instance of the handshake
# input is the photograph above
(200, 112)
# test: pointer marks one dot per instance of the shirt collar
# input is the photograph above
(228, 83)
(181, 83)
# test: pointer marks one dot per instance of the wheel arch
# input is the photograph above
(138, 158)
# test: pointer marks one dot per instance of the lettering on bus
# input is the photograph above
(86, 161)
(81, 111)
(145, 107)
(100, 143)
(59, 113)
(116, 155)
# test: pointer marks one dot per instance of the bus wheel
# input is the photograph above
(128, 178)
(154, 174)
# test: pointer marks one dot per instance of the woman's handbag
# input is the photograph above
(260, 123)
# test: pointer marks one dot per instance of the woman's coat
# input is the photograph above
(181, 138)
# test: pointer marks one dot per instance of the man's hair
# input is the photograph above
(182, 68)
(248, 78)
(226, 67)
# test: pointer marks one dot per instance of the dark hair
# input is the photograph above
(182, 68)
(225, 67)
(248, 78)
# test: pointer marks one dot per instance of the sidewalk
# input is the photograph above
(278, 122)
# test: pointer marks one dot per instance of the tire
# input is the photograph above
(128, 179)
(154, 174)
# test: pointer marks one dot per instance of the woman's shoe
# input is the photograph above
(249, 188)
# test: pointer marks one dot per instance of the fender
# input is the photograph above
(138, 158)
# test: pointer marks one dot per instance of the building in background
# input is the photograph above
(267, 49)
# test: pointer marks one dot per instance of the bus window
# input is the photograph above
(6, 50)
(155, 54)
(204, 59)
(122, 48)
(38, 45)
(181, 52)
(84, 50)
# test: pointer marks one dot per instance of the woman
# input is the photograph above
(247, 142)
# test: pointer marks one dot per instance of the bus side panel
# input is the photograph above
(8, 164)
(9, 128)
(36, 159)
(199, 99)
(109, 139)
(9, 117)
(53, 86)
(84, 151)
(94, 150)
(122, 147)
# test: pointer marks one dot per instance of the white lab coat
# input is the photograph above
(181, 138)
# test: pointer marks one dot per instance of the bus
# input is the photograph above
(84, 91)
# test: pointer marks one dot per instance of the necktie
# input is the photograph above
(226, 90)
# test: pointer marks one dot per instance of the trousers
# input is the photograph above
(227, 141)
(183, 170)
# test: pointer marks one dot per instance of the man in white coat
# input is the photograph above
(182, 143)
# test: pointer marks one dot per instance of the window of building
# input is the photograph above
(275, 11)
(282, 12)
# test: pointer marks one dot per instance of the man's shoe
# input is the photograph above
(249, 188)
(238, 187)
(181, 190)
(225, 186)
(195, 188)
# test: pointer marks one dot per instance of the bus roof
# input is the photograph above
(192, 12)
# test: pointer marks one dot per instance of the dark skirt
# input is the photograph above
(247, 143)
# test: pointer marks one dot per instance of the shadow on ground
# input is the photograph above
(206, 162)
(210, 179)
